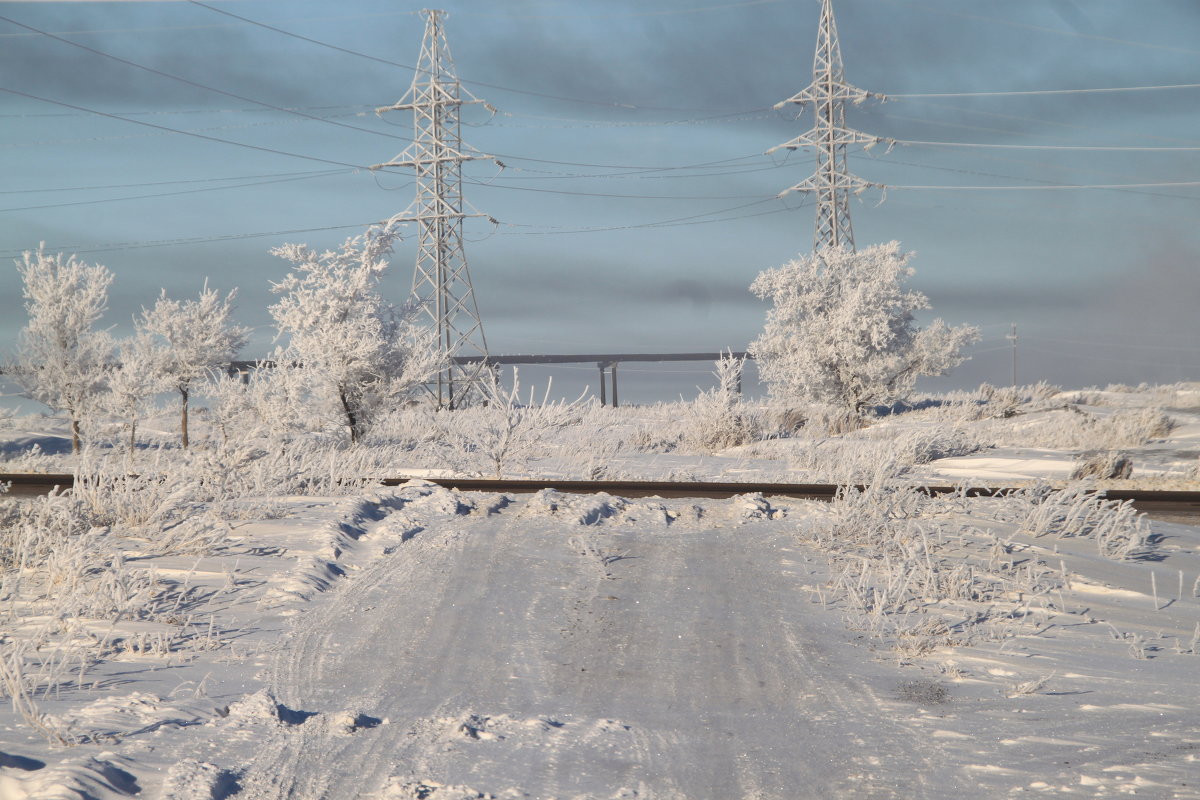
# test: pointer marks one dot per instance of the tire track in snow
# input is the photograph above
(526, 655)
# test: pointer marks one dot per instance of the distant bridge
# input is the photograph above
(606, 362)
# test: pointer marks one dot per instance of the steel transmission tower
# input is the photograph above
(829, 137)
(441, 282)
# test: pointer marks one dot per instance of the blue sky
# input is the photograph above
(614, 119)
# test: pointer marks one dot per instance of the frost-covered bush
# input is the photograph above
(132, 385)
(841, 329)
(31, 529)
(1104, 465)
(923, 446)
(1070, 428)
(33, 460)
(360, 355)
(507, 433)
(62, 361)
(193, 339)
(848, 461)
(718, 419)
(1119, 530)
(270, 401)
(651, 439)
(827, 420)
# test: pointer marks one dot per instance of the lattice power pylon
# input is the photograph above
(832, 183)
(441, 281)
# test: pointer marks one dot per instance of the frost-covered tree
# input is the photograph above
(504, 431)
(841, 329)
(195, 337)
(360, 355)
(133, 382)
(62, 360)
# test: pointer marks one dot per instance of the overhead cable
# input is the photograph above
(175, 193)
(993, 146)
(620, 196)
(608, 104)
(197, 85)
(166, 183)
(942, 10)
(184, 133)
(1049, 188)
(1028, 92)
(138, 245)
(167, 111)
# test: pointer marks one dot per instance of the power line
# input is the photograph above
(138, 245)
(1050, 188)
(943, 11)
(1020, 118)
(1028, 92)
(347, 51)
(625, 14)
(192, 83)
(127, 136)
(1082, 147)
(737, 116)
(692, 219)
(1022, 178)
(640, 167)
(620, 196)
(179, 192)
(169, 111)
(176, 130)
(166, 183)
(549, 175)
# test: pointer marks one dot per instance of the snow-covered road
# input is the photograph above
(519, 656)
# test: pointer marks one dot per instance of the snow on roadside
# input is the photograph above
(142, 679)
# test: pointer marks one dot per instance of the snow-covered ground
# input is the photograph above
(419, 642)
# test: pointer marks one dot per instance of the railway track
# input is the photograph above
(1166, 504)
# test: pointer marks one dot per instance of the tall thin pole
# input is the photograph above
(1013, 338)
(441, 281)
(831, 182)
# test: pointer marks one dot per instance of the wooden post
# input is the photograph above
(603, 400)
(614, 382)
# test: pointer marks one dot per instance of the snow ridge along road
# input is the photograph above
(570, 647)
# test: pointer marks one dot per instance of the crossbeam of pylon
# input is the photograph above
(832, 181)
(441, 281)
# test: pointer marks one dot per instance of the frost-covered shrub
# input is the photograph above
(788, 421)
(650, 439)
(62, 361)
(361, 356)
(1105, 465)
(826, 420)
(718, 419)
(31, 529)
(507, 433)
(1001, 403)
(33, 460)
(110, 496)
(192, 339)
(848, 461)
(1069, 428)
(923, 446)
(1120, 531)
(841, 330)
(132, 385)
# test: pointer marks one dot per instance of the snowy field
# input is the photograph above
(248, 619)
